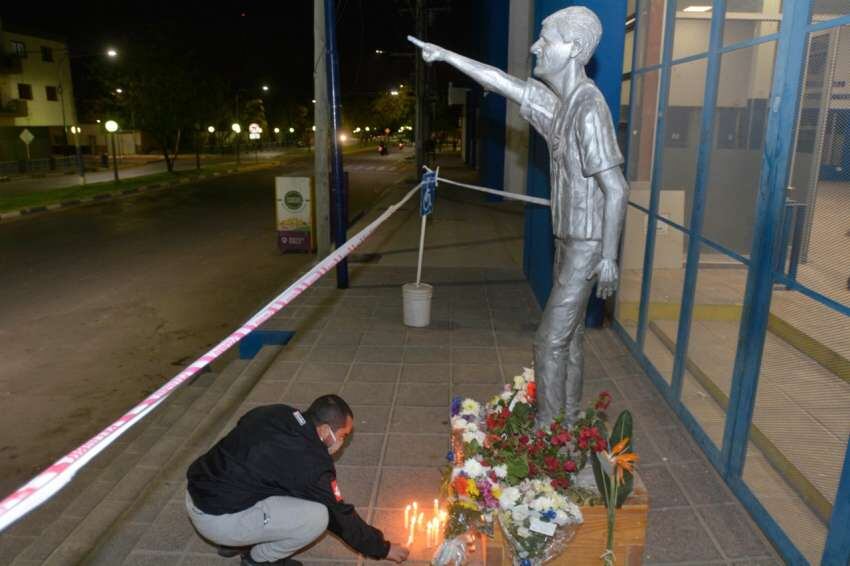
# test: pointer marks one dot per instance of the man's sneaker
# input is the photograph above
(231, 551)
(248, 561)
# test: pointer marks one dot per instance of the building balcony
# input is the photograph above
(15, 108)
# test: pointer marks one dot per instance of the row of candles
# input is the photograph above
(415, 520)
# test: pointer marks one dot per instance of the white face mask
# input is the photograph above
(334, 445)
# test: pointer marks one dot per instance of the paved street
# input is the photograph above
(101, 304)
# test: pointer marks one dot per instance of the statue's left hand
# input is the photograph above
(606, 270)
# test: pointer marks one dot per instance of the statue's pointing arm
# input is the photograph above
(491, 78)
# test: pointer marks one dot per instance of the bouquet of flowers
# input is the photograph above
(498, 460)
(537, 521)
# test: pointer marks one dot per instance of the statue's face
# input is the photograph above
(552, 52)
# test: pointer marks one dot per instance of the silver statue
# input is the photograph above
(588, 195)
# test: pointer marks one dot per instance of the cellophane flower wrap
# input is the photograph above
(537, 521)
(496, 449)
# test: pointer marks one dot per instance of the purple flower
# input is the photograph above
(456, 403)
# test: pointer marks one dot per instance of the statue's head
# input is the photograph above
(571, 34)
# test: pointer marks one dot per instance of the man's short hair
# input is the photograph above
(331, 410)
(578, 22)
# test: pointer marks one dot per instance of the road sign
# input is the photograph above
(426, 195)
(26, 136)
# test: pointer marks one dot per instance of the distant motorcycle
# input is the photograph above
(400, 145)
(382, 149)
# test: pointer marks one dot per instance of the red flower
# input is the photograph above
(540, 434)
(603, 401)
(532, 469)
(551, 464)
(570, 466)
(531, 390)
(523, 439)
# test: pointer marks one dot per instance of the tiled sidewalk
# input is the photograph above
(400, 380)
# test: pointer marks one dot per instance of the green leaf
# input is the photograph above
(603, 482)
(517, 470)
(622, 428)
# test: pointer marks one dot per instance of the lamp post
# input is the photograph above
(211, 140)
(76, 131)
(237, 129)
(112, 127)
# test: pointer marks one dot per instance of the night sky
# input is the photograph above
(250, 43)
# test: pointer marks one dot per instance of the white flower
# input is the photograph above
(475, 435)
(542, 504)
(520, 513)
(506, 395)
(509, 497)
(519, 382)
(523, 532)
(459, 423)
(528, 374)
(470, 407)
(501, 471)
(520, 398)
(473, 468)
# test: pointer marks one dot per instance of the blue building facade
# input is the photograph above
(734, 293)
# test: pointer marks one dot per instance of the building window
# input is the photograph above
(47, 54)
(19, 48)
(51, 92)
(24, 91)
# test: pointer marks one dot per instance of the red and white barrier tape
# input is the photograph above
(51, 480)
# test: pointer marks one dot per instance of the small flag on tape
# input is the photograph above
(426, 195)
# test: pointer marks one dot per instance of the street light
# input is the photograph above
(211, 129)
(291, 130)
(119, 90)
(112, 53)
(77, 131)
(112, 127)
(343, 138)
(237, 129)
(393, 93)
(277, 130)
(265, 88)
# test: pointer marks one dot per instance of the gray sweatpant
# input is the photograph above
(275, 528)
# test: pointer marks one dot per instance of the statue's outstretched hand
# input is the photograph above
(430, 52)
(606, 270)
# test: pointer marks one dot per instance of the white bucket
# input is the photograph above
(417, 304)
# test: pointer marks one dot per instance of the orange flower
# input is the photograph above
(622, 461)
(460, 484)
(531, 390)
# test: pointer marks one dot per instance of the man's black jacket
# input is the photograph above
(274, 450)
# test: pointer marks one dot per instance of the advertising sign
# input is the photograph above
(294, 209)
(426, 195)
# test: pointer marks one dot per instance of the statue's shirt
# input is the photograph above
(582, 143)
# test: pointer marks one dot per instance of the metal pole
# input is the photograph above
(62, 101)
(80, 163)
(238, 136)
(114, 158)
(320, 114)
(419, 133)
(332, 65)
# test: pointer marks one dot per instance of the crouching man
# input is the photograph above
(268, 488)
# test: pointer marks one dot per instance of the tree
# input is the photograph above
(166, 92)
(393, 111)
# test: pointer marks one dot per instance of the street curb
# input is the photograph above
(124, 193)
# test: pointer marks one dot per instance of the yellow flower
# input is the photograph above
(468, 504)
(496, 491)
(472, 489)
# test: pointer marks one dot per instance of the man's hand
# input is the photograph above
(606, 270)
(398, 553)
(430, 52)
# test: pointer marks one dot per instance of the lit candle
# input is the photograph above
(412, 530)
(407, 516)
(436, 507)
(421, 520)
(428, 532)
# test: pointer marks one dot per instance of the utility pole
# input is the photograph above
(320, 116)
(334, 103)
(419, 132)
